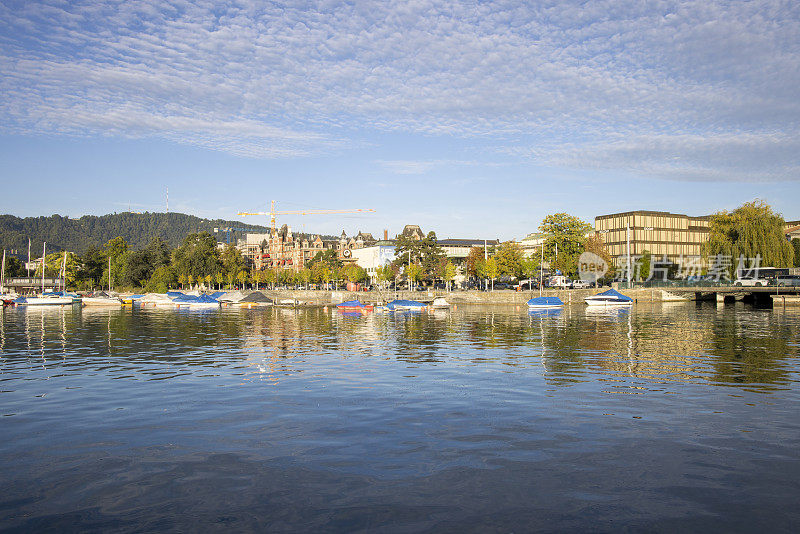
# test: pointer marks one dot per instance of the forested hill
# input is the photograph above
(138, 229)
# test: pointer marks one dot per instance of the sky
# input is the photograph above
(471, 119)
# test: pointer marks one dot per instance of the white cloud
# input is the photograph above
(617, 85)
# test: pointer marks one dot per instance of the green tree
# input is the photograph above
(162, 279)
(117, 250)
(751, 230)
(328, 257)
(796, 247)
(509, 260)
(449, 274)
(473, 263)
(242, 277)
(597, 246)
(432, 257)
(644, 265)
(13, 266)
(219, 278)
(414, 272)
(198, 256)
(492, 269)
(384, 274)
(94, 264)
(354, 273)
(566, 234)
(54, 263)
(232, 261)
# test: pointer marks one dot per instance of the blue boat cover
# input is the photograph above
(614, 293)
(20, 300)
(217, 294)
(173, 294)
(400, 303)
(202, 299)
(351, 304)
(545, 301)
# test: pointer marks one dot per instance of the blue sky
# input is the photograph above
(473, 119)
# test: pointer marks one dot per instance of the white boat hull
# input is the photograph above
(546, 307)
(100, 301)
(607, 302)
(47, 301)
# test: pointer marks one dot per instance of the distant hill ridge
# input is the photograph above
(138, 229)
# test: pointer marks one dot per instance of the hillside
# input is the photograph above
(63, 233)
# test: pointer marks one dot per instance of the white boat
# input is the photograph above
(611, 297)
(540, 303)
(405, 305)
(101, 298)
(155, 299)
(43, 300)
(440, 303)
(191, 301)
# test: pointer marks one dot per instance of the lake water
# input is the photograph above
(661, 418)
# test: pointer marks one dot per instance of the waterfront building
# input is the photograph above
(29, 285)
(282, 250)
(675, 236)
(371, 258)
(792, 230)
(458, 249)
(531, 244)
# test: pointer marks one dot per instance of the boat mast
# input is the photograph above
(3, 273)
(541, 269)
(44, 251)
(109, 272)
(64, 272)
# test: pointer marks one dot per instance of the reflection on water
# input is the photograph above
(477, 418)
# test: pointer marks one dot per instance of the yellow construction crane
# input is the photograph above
(272, 213)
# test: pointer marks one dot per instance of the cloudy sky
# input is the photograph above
(473, 119)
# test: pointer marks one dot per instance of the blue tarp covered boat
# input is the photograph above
(401, 304)
(612, 297)
(545, 302)
(203, 301)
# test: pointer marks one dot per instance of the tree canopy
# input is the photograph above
(751, 230)
(566, 237)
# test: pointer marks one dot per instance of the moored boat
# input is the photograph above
(100, 298)
(191, 301)
(440, 303)
(612, 297)
(541, 303)
(43, 300)
(354, 305)
(407, 305)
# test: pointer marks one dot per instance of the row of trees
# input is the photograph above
(197, 261)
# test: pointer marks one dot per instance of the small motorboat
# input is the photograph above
(405, 305)
(612, 297)
(543, 303)
(440, 303)
(354, 305)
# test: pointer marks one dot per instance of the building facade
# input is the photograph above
(373, 257)
(677, 237)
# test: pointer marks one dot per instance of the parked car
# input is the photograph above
(581, 284)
